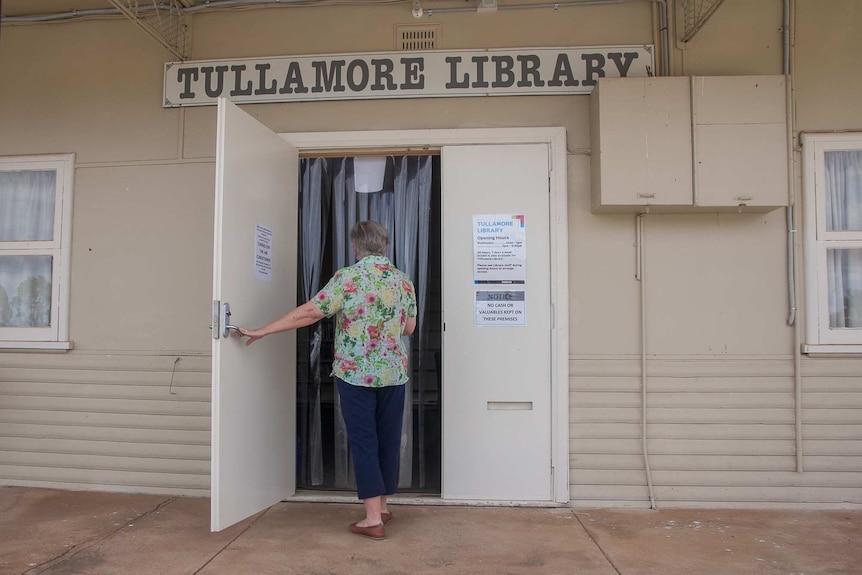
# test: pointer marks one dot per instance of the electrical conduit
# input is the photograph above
(639, 275)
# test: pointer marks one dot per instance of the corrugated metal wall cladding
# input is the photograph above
(843, 448)
(137, 481)
(691, 368)
(585, 385)
(174, 490)
(818, 384)
(96, 405)
(123, 434)
(676, 399)
(834, 463)
(108, 362)
(163, 377)
(831, 416)
(593, 496)
(105, 420)
(682, 415)
(719, 431)
(768, 493)
(659, 384)
(104, 390)
(605, 493)
(633, 446)
(684, 430)
(114, 422)
(105, 462)
(724, 479)
(697, 367)
(109, 448)
(684, 462)
(830, 431)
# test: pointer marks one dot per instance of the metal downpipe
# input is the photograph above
(639, 275)
(792, 227)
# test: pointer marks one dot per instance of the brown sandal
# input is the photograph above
(376, 532)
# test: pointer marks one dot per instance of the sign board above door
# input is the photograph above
(430, 74)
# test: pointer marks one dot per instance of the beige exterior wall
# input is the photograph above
(119, 413)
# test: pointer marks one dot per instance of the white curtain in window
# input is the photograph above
(25, 291)
(26, 214)
(27, 205)
(843, 175)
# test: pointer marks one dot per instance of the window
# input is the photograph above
(832, 165)
(35, 233)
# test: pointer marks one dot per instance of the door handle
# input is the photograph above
(225, 322)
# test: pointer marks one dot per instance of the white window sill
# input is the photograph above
(832, 350)
(58, 346)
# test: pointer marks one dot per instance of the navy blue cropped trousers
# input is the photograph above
(373, 417)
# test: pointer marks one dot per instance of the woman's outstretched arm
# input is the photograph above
(303, 316)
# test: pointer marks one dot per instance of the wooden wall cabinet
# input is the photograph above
(668, 144)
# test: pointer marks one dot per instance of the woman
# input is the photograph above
(374, 304)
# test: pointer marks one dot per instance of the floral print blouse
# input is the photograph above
(372, 300)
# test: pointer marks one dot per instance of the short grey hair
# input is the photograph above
(369, 239)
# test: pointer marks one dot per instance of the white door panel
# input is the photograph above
(496, 380)
(253, 388)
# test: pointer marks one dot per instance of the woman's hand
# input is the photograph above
(252, 334)
(303, 316)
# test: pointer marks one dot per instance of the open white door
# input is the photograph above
(253, 388)
(496, 377)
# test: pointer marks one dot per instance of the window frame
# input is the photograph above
(55, 336)
(818, 240)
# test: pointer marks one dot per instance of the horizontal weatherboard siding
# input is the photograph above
(719, 432)
(130, 423)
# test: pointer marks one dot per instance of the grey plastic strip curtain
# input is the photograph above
(344, 215)
(412, 191)
(313, 215)
(403, 207)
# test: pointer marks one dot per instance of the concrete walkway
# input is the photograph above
(60, 532)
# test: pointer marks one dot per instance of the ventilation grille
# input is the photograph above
(409, 38)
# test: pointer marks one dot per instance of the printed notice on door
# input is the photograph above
(500, 308)
(499, 249)
(262, 252)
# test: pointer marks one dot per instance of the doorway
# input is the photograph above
(408, 204)
(253, 445)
